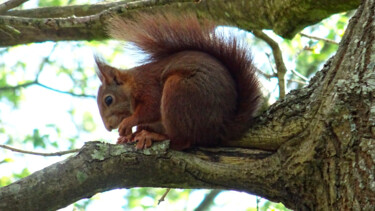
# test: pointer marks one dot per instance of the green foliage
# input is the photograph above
(309, 56)
(270, 206)
(6, 160)
(82, 204)
(24, 173)
(15, 176)
(148, 198)
(51, 3)
(12, 96)
(55, 127)
(37, 139)
(88, 122)
(5, 181)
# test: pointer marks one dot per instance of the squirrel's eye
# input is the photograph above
(108, 100)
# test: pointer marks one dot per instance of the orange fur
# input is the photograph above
(197, 88)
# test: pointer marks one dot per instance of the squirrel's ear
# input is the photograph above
(106, 73)
(100, 66)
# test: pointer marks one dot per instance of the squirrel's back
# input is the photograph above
(163, 35)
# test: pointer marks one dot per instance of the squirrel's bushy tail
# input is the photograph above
(162, 35)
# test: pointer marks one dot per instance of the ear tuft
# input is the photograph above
(99, 66)
(106, 73)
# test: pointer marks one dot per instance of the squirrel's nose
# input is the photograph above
(108, 127)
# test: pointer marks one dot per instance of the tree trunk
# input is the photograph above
(330, 165)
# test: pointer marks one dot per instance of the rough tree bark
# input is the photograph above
(285, 17)
(318, 147)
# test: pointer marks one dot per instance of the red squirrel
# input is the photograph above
(198, 86)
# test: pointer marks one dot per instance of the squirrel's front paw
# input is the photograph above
(122, 140)
(124, 129)
(125, 139)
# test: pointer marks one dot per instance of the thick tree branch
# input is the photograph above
(86, 22)
(21, 30)
(96, 168)
(66, 11)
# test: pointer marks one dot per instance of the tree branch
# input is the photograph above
(10, 5)
(36, 81)
(66, 28)
(96, 168)
(296, 73)
(277, 55)
(319, 38)
(19, 86)
(66, 11)
(162, 198)
(208, 200)
(85, 22)
(65, 92)
(39, 153)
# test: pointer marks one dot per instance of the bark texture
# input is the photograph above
(99, 167)
(86, 22)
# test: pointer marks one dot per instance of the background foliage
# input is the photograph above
(47, 103)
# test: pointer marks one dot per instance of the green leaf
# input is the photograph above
(5, 181)
(50, 3)
(24, 173)
(8, 160)
(54, 126)
(37, 139)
